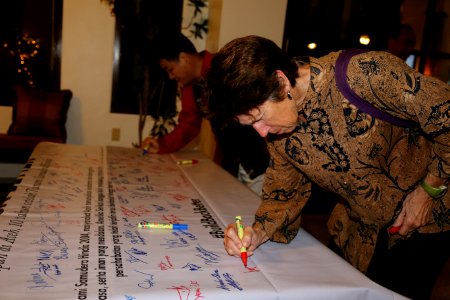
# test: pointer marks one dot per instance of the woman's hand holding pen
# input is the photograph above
(251, 240)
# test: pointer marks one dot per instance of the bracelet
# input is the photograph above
(433, 192)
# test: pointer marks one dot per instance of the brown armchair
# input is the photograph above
(37, 116)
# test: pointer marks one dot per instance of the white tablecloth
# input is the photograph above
(69, 231)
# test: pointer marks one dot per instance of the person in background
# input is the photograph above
(393, 222)
(179, 58)
(401, 41)
(240, 151)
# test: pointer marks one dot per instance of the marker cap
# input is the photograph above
(180, 226)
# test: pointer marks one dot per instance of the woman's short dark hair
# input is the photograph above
(243, 76)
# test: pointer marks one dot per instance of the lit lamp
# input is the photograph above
(312, 46)
(364, 39)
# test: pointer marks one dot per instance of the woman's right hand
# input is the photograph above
(251, 240)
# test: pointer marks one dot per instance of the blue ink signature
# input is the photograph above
(147, 282)
(207, 256)
(226, 281)
(192, 267)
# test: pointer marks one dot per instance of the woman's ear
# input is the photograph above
(182, 56)
(284, 81)
(280, 74)
(282, 77)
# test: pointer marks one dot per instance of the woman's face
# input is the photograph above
(272, 117)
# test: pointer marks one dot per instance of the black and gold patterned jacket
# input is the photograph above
(372, 165)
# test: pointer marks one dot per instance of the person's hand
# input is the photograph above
(150, 145)
(251, 240)
(415, 212)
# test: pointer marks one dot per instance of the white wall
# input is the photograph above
(86, 69)
(5, 118)
(252, 17)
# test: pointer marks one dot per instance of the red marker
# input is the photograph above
(240, 230)
(393, 229)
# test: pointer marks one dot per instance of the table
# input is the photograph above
(69, 231)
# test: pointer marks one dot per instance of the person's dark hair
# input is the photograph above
(243, 76)
(169, 46)
(397, 30)
(401, 41)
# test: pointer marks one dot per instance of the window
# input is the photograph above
(138, 80)
(30, 38)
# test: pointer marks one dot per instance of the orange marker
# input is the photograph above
(240, 230)
(187, 162)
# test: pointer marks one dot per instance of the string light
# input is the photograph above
(24, 48)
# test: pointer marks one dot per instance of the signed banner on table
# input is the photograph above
(70, 231)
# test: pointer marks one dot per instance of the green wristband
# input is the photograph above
(434, 192)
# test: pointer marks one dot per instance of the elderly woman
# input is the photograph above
(383, 148)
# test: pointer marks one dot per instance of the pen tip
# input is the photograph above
(244, 258)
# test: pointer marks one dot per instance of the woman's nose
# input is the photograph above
(262, 129)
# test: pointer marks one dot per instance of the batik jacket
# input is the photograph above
(370, 164)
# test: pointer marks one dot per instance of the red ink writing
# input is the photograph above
(166, 265)
(184, 292)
